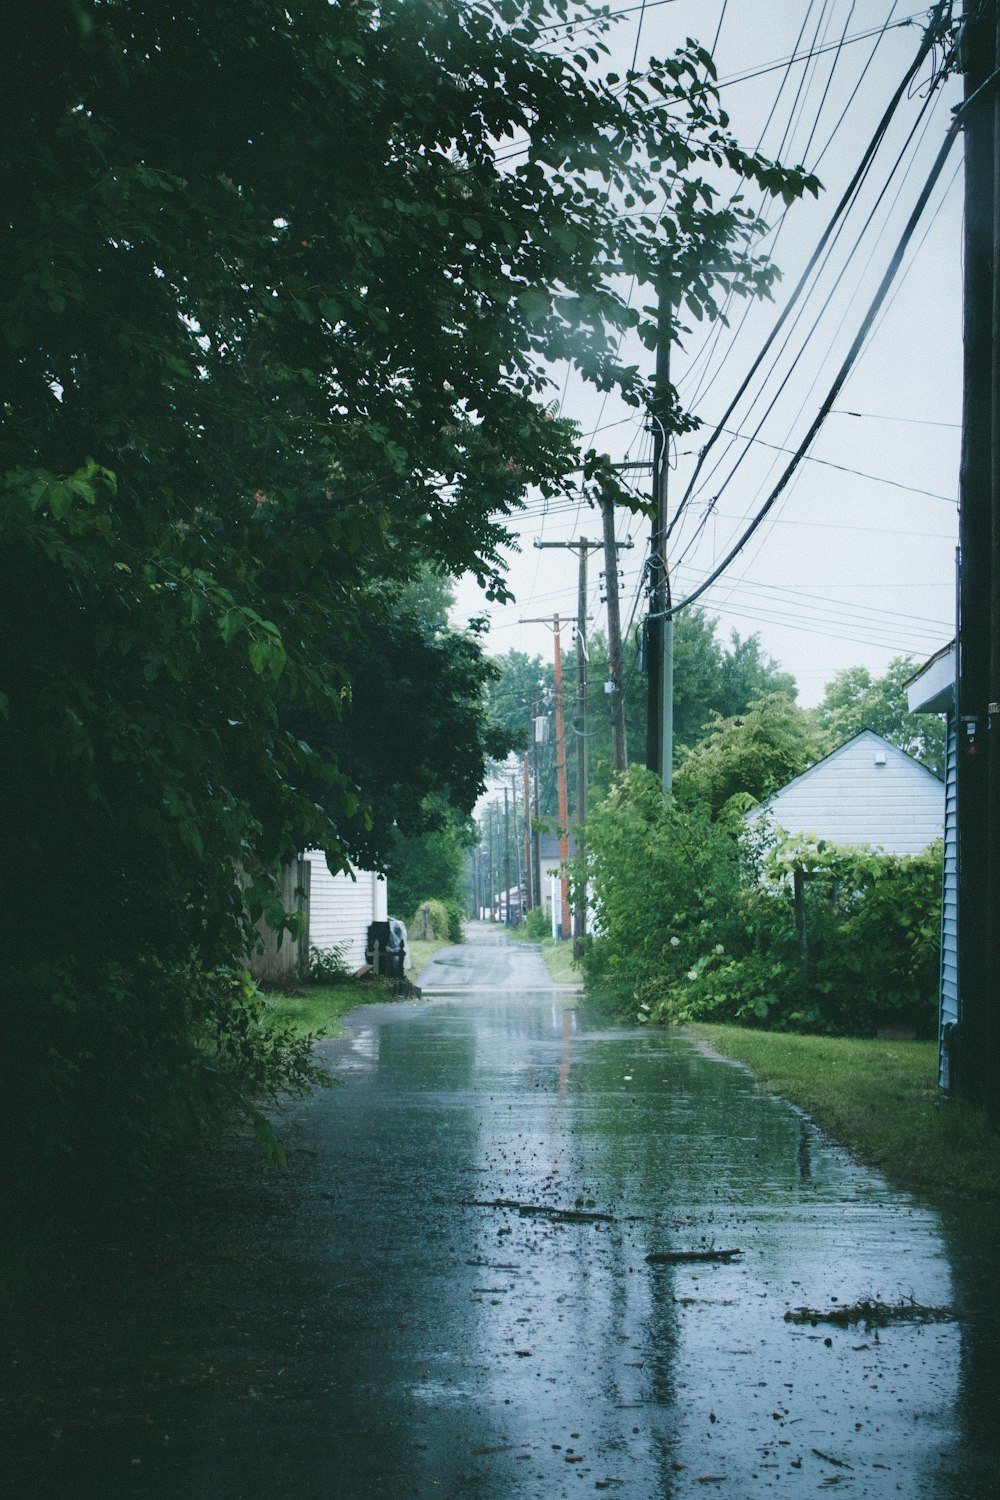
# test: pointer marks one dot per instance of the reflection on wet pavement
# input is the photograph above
(435, 1341)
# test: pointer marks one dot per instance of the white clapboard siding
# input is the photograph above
(341, 908)
(865, 792)
(949, 903)
(931, 690)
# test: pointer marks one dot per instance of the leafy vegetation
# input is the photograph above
(751, 754)
(440, 920)
(278, 315)
(316, 1010)
(880, 1099)
(696, 919)
(855, 700)
(713, 681)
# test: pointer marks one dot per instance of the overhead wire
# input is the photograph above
(897, 284)
(847, 197)
(808, 339)
(849, 360)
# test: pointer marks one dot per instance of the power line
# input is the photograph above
(840, 210)
(898, 484)
(849, 361)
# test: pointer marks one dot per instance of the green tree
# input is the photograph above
(711, 680)
(753, 753)
(431, 865)
(278, 314)
(855, 700)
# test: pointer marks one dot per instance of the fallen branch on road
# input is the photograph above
(872, 1314)
(569, 1215)
(677, 1257)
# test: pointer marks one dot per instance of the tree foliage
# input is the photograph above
(696, 920)
(754, 753)
(279, 299)
(856, 700)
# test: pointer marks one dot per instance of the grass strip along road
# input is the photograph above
(878, 1098)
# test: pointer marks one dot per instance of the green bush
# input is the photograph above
(456, 916)
(438, 919)
(696, 921)
(121, 1071)
(537, 926)
(327, 965)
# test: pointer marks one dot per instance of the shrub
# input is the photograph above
(438, 919)
(120, 1071)
(327, 965)
(537, 925)
(696, 921)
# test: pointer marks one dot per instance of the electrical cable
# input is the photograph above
(883, 313)
(846, 198)
(807, 341)
(712, 341)
(897, 484)
(852, 354)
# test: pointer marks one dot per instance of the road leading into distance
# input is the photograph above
(449, 1292)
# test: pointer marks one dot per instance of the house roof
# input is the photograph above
(931, 689)
(866, 791)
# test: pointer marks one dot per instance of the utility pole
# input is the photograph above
(978, 687)
(553, 623)
(583, 546)
(582, 758)
(659, 625)
(489, 840)
(506, 858)
(528, 882)
(536, 844)
(619, 744)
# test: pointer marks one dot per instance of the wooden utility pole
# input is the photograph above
(528, 882)
(659, 625)
(489, 839)
(553, 623)
(619, 743)
(582, 749)
(583, 546)
(536, 835)
(977, 1056)
(506, 858)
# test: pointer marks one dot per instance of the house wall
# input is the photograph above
(949, 905)
(848, 798)
(340, 908)
(282, 957)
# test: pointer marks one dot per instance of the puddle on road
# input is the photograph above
(572, 1363)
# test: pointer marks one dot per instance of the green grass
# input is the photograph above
(878, 1098)
(317, 1010)
(421, 951)
(561, 965)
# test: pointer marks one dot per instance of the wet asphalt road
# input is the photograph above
(375, 1323)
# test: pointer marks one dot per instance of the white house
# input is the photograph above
(932, 691)
(336, 910)
(867, 791)
(341, 907)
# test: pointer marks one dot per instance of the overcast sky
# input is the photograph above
(855, 563)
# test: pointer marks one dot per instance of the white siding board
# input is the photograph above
(848, 799)
(949, 902)
(341, 908)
